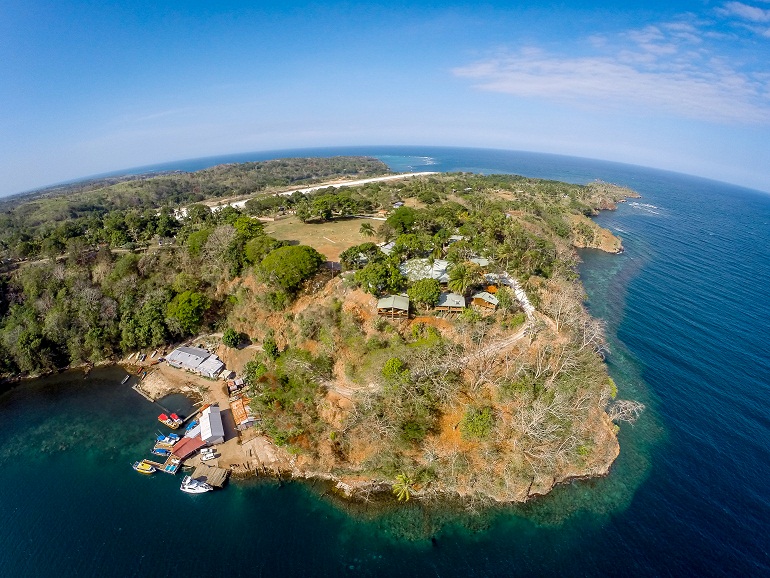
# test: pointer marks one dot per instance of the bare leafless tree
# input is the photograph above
(561, 301)
(625, 410)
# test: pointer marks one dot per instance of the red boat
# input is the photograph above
(173, 422)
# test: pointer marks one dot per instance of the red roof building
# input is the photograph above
(187, 446)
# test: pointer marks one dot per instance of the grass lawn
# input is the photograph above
(329, 239)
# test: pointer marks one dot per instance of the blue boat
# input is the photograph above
(161, 452)
(168, 440)
(191, 425)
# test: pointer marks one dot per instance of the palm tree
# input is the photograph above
(366, 230)
(402, 487)
(461, 277)
(386, 232)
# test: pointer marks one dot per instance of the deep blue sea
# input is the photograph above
(688, 313)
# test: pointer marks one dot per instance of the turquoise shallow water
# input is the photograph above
(687, 310)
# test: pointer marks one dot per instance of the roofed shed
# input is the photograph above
(485, 300)
(212, 429)
(196, 359)
(450, 302)
(393, 306)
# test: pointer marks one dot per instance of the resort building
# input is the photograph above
(212, 428)
(417, 269)
(485, 300)
(480, 261)
(197, 360)
(451, 302)
(393, 306)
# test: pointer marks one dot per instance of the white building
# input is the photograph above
(417, 269)
(212, 429)
(196, 359)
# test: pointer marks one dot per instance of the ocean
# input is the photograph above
(687, 307)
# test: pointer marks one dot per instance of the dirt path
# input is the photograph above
(496, 347)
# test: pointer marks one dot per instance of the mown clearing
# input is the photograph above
(330, 238)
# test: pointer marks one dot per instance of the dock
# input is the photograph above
(189, 417)
(213, 476)
(135, 387)
(171, 465)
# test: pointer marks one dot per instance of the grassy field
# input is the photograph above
(329, 239)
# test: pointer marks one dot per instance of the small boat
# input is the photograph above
(125, 379)
(144, 468)
(154, 353)
(191, 425)
(161, 451)
(176, 420)
(172, 423)
(208, 454)
(168, 440)
(192, 486)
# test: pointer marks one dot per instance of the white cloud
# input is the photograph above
(746, 12)
(664, 68)
(599, 82)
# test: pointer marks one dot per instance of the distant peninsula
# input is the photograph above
(415, 335)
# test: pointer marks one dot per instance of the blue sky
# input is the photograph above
(94, 86)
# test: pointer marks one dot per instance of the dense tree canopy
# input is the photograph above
(380, 277)
(187, 310)
(288, 267)
(425, 292)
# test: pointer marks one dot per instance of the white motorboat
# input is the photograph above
(192, 486)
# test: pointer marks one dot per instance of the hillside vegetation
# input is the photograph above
(499, 403)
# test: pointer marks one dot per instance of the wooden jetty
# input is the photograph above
(213, 476)
(189, 417)
(171, 465)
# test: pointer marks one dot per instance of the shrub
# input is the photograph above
(231, 338)
(413, 431)
(276, 300)
(477, 423)
(253, 371)
(393, 368)
(374, 343)
(270, 347)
